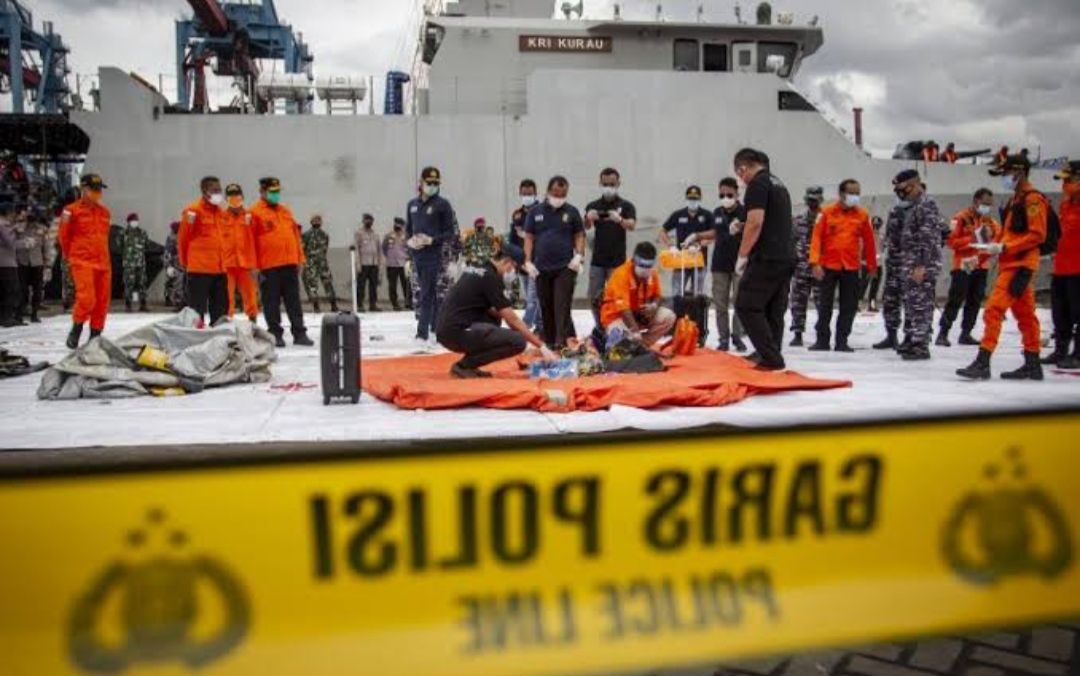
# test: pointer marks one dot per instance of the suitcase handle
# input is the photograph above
(352, 283)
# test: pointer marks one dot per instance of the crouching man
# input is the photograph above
(471, 319)
(631, 305)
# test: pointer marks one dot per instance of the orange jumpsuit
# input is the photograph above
(1021, 253)
(84, 239)
(841, 238)
(240, 260)
(199, 242)
(965, 226)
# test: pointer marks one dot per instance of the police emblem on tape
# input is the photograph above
(1010, 530)
(154, 601)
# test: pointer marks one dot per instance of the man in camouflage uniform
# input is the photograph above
(913, 241)
(134, 260)
(175, 279)
(317, 269)
(802, 282)
(481, 244)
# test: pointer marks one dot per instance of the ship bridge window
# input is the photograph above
(687, 55)
(433, 37)
(776, 57)
(716, 58)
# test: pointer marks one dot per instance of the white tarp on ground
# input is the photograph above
(289, 406)
(227, 354)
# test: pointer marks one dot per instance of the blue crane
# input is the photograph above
(46, 81)
(233, 36)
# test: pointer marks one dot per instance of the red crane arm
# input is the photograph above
(211, 15)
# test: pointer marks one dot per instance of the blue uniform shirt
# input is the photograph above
(433, 217)
(517, 222)
(554, 231)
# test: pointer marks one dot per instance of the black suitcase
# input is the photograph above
(339, 351)
(694, 305)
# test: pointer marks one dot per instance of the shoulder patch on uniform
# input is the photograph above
(1034, 209)
(565, 217)
(413, 209)
(684, 219)
(191, 216)
(430, 210)
(538, 218)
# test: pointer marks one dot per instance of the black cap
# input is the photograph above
(269, 183)
(367, 217)
(92, 181)
(815, 191)
(1070, 170)
(431, 175)
(399, 221)
(905, 176)
(693, 192)
(234, 189)
(1011, 163)
(514, 253)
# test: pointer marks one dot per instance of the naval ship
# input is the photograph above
(508, 91)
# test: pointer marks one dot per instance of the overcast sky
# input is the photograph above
(980, 72)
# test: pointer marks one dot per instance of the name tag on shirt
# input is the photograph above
(414, 209)
(684, 220)
(566, 218)
(539, 218)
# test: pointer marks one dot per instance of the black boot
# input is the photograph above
(1061, 350)
(797, 340)
(740, 346)
(966, 339)
(142, 306)
(315, 306)
(127, 306)
(1031, 370)
(978, 369)
(1072, 361)
(916, 352)
(820, 346)
(842, 346)
(943, 338)
(889, 343)
(73, 337)
(333, 305)
(94, 333)
(723, 345)
(34, 319)
(906, 346)
(302, 339)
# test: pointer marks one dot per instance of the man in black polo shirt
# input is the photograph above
(612, 217)
(516, 236)
(554, 255)
(766, 257)
(728, 222)
(473, 313)
(693, 219)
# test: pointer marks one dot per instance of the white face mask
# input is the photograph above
(609, 191)
(727, 203)
(133, 224)
(431, 190)
(852, 200)
(556, 202)
(217, 199)
(1009, 182)
(693, 205)
(642, 273)
(984, 209)
(528, 200)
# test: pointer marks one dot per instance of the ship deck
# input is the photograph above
(287, 416)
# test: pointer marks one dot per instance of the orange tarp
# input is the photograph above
(707, 378)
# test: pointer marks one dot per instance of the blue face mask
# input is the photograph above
(273, 198)
(1008, 182)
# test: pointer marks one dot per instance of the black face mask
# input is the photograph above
(813, 205)
(368, 225)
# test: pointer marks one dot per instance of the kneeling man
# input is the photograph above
(470, 320)
(632, 300)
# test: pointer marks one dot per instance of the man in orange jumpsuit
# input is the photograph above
(842, 234)
(1018, 260)
(631, 304)
(202, 251)
(240, 260)
(84, 240)
(280, 254)
(1065, 286)
(950, 155)
(967, 288)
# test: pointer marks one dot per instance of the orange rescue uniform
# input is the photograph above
(277, 239)
(840, 238)
(199, 242)
(84, 240)
(966, 225)
(1067, 259)
(949, 156)
(1021, 253)
(238, 238)
(625, 292)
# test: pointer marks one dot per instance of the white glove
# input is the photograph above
(740, 265)
(547, 354)
(969, 264)
(576, 263)
(414, 243)
(615, 217)
(531, 270)
(994, 248)
(592, 214)
(673, 249)
(170, 271)
(735, 228)
(691, 239)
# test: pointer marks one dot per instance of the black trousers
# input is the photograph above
(1065, 304)
(762, 302)
(482, 344)
(31, 284)
(9, 292)
(396, 276)
(967, 289)
(556, 293)
(848, 281)
(277, 285)
(208, 293)
(368, 276)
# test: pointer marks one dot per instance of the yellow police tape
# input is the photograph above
(564, 559)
